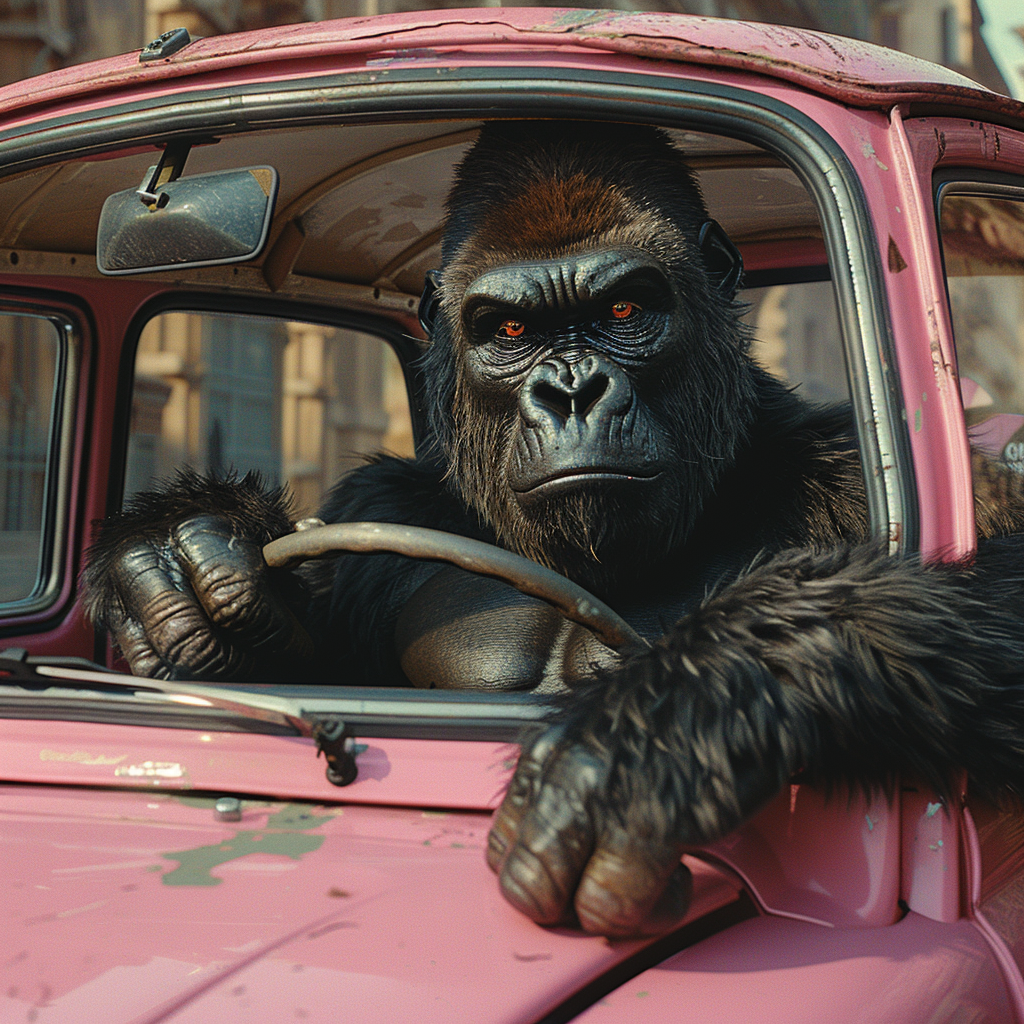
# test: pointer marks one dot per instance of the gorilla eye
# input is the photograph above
(621, 310)
(511, 328)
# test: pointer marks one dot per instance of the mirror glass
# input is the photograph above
(197, 221)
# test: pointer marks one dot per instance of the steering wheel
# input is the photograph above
(526, 576)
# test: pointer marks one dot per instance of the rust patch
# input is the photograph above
(896, 261)
(286, 834)
(940, 143)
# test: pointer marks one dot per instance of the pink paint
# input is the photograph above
(775, 971)
(857, 73)
(386, 913)
(834, 863)
(400, 772)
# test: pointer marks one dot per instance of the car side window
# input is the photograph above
(983, 249)
(30, 362)
(797, 337)
(300, 403)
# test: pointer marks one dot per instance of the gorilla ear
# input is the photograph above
(429, 301)
(722, 259)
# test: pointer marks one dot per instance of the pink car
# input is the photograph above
(176, 852)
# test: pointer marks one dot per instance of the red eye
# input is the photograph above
(623, 309)
(511, 328)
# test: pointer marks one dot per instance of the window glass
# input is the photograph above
(29, 359)
(300, 403)
(797, 339)
(983, 248)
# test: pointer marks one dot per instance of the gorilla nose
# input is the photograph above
(561, 391)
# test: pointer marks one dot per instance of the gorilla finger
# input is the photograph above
(172, 623)
(632, 885)
(555, 840)
(229, 578)
(522, 790)
(672, 905)
(135, 647)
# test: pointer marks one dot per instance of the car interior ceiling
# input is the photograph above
(332, 180)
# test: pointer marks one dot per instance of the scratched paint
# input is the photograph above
(285, 834)
(869, 152)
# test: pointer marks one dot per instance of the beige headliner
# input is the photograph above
(360, 208)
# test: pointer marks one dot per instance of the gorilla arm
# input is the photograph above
(849, 664)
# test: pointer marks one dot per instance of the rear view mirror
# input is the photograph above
(223, 217)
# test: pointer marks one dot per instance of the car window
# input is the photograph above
(797, 337)
(30, 355)
(300, 403)
(983, 249)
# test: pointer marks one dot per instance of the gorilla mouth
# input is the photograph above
(567, 479)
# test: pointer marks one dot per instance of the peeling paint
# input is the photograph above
(285, 835)
(897, 264)
(81, 757)
(869, 152)
(150, 769)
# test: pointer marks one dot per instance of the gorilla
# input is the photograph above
(593, 405)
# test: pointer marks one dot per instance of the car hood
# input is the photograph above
(139, 904)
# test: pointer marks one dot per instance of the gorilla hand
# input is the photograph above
(635, 770)
(564, 855)
(791, 667)
(189, 595)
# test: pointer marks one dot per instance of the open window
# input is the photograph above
(299, 403)
(360, 215)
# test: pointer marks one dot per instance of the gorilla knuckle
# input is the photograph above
(528, 884)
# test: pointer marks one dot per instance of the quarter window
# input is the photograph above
(983, 249)
(30, 358)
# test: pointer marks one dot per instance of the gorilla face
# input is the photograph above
(593, 377)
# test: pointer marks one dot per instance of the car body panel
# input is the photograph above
(140, 906)
(398, 772)
(913, 972)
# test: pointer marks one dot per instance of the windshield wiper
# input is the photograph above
(26, 678)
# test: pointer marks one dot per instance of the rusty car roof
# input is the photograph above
(852, 71)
